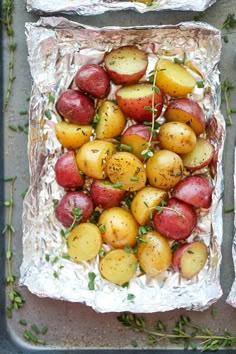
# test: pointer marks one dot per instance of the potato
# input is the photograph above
(200, 156)
(76, 107)
(118, 266)
(164, 169)
(66, 171)
(154, 253)
(190, 258)
(173, 79)
(136, 101)
(72, 136)
(186, 111)
(176, 220)
(93, 80)
(126, 170)
(126, 65)
(111, 121)
(144, 202)
(195, 190)
(119, 228)
(177, 137)
(84, 242)
(104, 194)
(93, 156)
(74, 200)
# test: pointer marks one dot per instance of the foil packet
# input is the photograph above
(95, 7)
(231, 299)
(57, 48)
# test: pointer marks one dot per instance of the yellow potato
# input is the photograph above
(93, 156)
(145, 201)
(164, 169)
(72, 136)
(173, 79)
(118, 266)
(119, 228)
(111, 121)
(154, 254)
(127, 171)
(177, 137)
(84, 242)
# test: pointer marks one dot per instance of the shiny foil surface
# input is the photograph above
(231, 299)
(56, 50)
(94, 7)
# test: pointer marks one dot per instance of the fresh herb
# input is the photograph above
(185, 333)
(199, 16)
(226, 87)
(55, 274)
(14, 296)
(131, 297)
(92, 277)
(51, 98)
(143, 229)
(127, 249)
(47, 257)
(96, 119)
(44, 329)
(229, 209)
(102, 253)
(23, 322)
(117, 185)
(180, 61)
(228, 24)
(95, 217)
(7, 21)
(102, 227)
(150, 3)
(31, 337)
(200, 84)
(126, 147)
(34, 328)
(24, 192)
(23, 112)
(134, 179)
(76, 216)
(48, 114)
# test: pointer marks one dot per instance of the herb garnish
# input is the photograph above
(226, 87)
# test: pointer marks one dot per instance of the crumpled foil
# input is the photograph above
(231, 299)
(95, 7)
(57, 48)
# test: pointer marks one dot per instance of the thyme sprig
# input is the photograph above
(76, 217)
(14, 296)
(7, 21)
(226, 87)
(185, 333)
(228, 24)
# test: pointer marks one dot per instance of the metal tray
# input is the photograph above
(76, 327)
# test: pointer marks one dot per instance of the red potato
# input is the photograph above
(186, 111)
(104, 194)
(134, 101)
(200, 156)
(190, 258)
(136, 136)
(195, 190)
(66, 171)
(76, 107)
(70, 201)
(126, 65)
(93, 80)
(176, 221)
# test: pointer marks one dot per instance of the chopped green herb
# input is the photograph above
(102, 227)
(23, 322)
(134, 179)
(126, 147)
(128, 249)
(92, 277)
(48, 114)
(23, 111)
(102, 253)
(47, 257)
(56, 275)
(51, 98)
(35, 328)
(200, 84)
(180, 61)
(44, 329)
(229, 209)
(131, 297)
(117, 185)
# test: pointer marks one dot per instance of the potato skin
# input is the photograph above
(84, 242)
(66, 171)
(164, 169)
(154, 254)
(92, 158)
(93, 80)
(75, 107)
(126, 169)
(177, 137)
(72, 136)
(118, 266)
(120, 227)
(104, 194)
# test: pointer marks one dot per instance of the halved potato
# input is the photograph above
(173, 79)
(84, 242)
(72, 136)
(200, 156)
(118, 266)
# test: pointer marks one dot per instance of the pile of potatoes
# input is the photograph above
(137, 176)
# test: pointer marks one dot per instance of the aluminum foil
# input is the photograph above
(231, 299)
(57, 48)
(94, 7)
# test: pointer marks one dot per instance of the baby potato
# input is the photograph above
(84, 242)
(119, 227)
(164, 169)
(127, 170)
(72, 136)
(173, 79)
(111, 121)
(145, 201)
(154, 254)
(93, 156)
(177, 137)
(118, 266)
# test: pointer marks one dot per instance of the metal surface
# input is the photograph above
(75, 326)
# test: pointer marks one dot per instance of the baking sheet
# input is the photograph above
(81, 329)
(93, 7)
